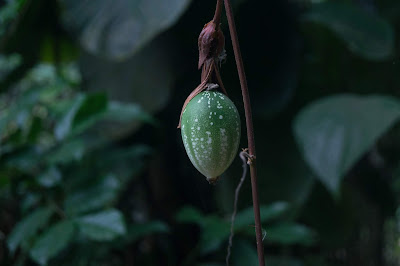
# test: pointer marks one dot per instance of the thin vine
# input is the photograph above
(250, 130)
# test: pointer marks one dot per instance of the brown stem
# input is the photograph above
(217, 15)
(219, 80)
(249, 125)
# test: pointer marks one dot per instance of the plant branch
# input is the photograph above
(217, 15)
(249, 126)
(237, 190)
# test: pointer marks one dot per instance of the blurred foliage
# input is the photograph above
(92, 168)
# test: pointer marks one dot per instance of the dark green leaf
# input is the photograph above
(72, 150)
(365, 34)
(137, 231)
(333, 133)
(246, 217)
(121, 119)
(30, 200)
(25, 159)
(84, 112)
(8, 63)
(243, 253)
(9, 12)
(288, 234)
(118, 28)
(145, 78)
(93, 106)
(190, 215)
(35, 129)
(215, 232)
(28, 227)
(96, 196)
(118, 155)
(50, 177)
(102, 226)
(125, 112)
(51, 242)
(284, 261)
(126, 163)
(18, 113)
(63, 128)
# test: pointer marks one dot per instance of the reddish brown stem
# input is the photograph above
(217, 15)
(250, 131)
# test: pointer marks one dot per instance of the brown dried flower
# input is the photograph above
(211, 42)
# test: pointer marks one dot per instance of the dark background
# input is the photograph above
(92, 167)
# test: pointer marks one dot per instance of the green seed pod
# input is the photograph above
(210, 128)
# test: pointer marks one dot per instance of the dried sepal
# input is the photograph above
(200, 88)
(211, 43)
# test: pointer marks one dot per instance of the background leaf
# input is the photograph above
(117, 29)
(215, 232)
(84, 112)
(135, 76)
(246, 217)
(289, 234)
(28, 227)
(334, 132)
(286, 261)
(365, 33)
(190, 215)
(102, 192)
(102, 226)
(51, 242)
(137, 231)
(8, 63)
(244, 253)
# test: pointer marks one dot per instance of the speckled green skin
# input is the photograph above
(210, 128)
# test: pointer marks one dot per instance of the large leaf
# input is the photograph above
(19, 111)
(125, 112)
(288, 233)
(214, 229)
(190, 215)
(102, 226)
(52, 242)
(8, 63)
(243, 253)
(333, 133)
(118, 28)
(136, 231)
(126, 163)
(122, 119)
(9, 12)
(104, 192)
(286, 261)
(93, 106)
(28, 227)
(85, 110)
(71, 150)
(246, 217)
(145, 78)
(215, 232)
(365, 34)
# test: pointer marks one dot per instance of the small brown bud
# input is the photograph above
(211, 42)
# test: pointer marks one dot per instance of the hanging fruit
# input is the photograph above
(210, 127)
